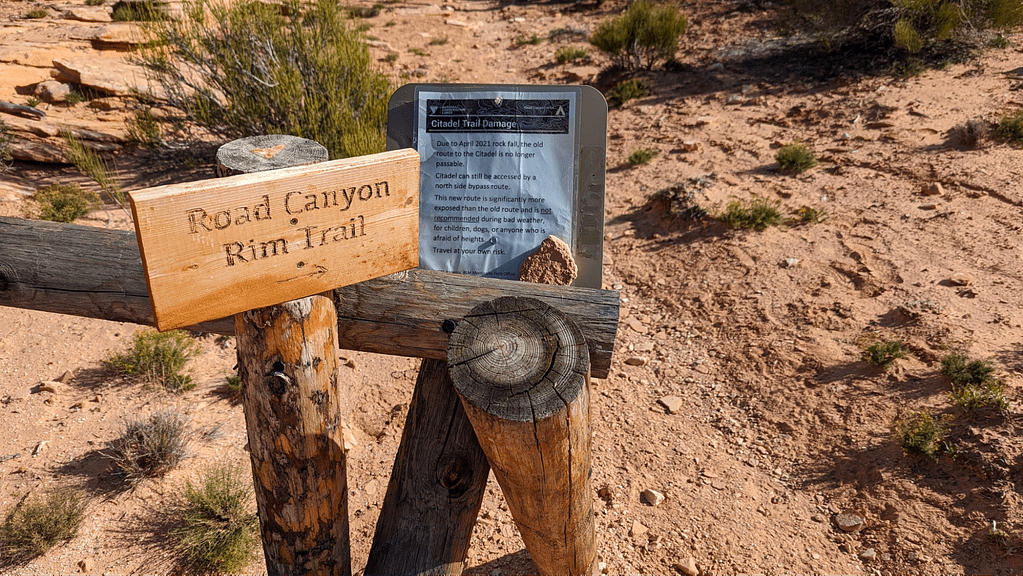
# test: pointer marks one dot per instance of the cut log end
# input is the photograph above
(518, 358)
(270, 152)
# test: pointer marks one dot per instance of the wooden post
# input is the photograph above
(521, 369)
(287, 360)
(436, 487)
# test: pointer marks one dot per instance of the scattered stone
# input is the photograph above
(691, 145)
(849, 522)
(687, 567)
(380, 44)
(110, 75)
(928, 206)
(118, 36)
(88, 14)
(458, 23)
(789, 262)
(78, 405)
(651, 497)
(582, 73)
(66, 377)
(817, 518)
(52, 91)
(636, 325)
(867, 554)
(602, 567)
(52, 387)
(40, 447)
(551, 263)
(637, 360)
(637, 529)
(348, 439)
(644, 347)
(605, 493)
(716, 67)
(672, 403)
(352, 364)
(934, 189)
(97, 398)
(19, 395)
(961, 279)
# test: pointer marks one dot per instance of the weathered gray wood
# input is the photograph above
(269, 152)
(521, 369)
(21, 109)
(97, 273)
(436, 488)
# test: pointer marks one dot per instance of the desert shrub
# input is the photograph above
(642, 156)
(971, 133)
(365, 11)
(567, 54)
(5, 146)
(523, 40)
(74, 97)
(884, 353)
(796, 157)
(151, 447)
(391, 57)
(679, 201)
(62, 203)
(234, 383)
(88, 162)
(143, 129)
(94, 2)
(921, 433)
(418, 51)
(39, 523)
(914, 26)
(438, 41)
(810, 215)
(218, 531)
(33, 101)
(644, 35)
(36, 14)
(627, 90)
(150, 11)
(974, 384)
(999, 41)
(159, 358)
(246, 68)
(757, 213)
(1010, 127)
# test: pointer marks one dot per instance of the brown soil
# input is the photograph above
(781, 426)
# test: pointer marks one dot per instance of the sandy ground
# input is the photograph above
(782, 425)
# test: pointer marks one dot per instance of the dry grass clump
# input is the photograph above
(40, 523)
(1010, 127)
(218, 532)
(971, 133)
(151, 447)
(159, 358)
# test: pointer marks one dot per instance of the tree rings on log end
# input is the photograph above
(270, 152)
(518, 359)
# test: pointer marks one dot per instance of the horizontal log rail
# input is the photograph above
(97, 273)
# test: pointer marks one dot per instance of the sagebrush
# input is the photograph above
(757, 213)
(796, 157)
(251, 68)
(61, 203)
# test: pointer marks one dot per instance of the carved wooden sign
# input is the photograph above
(215, 248)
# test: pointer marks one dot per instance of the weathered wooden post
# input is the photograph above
(288, 364)
(521, 368)
(269, 247)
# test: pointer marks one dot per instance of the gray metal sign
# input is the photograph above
(503, 167)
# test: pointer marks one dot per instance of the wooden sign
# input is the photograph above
(219, 247)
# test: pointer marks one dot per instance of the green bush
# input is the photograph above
(150, 448)
(5, 146)
(148, 11)
(913, 26)
(88, 162)
(644, 35)
(796, 157)
(627, 90)
(974, 384)
(883, 354)
(159, 358)
(642, 156)
(62, 203)
(74, 97)
(810, 215)
(94, 2)
(1010, 127)
(40, 523)
(37, 14)
(523, 40)
(438, 41)
(246, 68)
(921, 433)
(757, 213)
(218, 532)
(567, 54)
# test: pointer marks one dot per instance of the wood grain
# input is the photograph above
(219, 247)
(96, 273)
(521, 369)
(436, 487)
